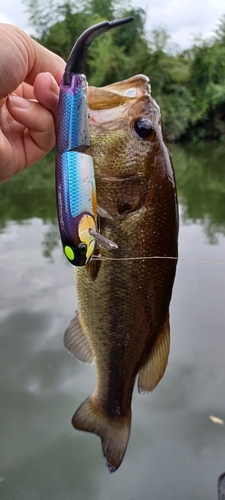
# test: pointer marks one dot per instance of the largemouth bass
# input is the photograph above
(123, 300)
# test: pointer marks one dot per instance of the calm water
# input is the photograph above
(175, 451)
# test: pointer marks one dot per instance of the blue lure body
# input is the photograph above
(75, 180)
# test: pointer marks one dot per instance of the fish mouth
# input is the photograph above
(121, 177)
(113, 101)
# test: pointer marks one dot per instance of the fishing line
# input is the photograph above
(101, 257)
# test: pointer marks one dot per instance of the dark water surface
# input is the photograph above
(176, 452)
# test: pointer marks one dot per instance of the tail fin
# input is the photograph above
(114, 431)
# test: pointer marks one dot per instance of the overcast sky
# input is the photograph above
(182, 18)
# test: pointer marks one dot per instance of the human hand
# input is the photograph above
(29, 78)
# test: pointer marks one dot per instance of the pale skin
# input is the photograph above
(29, 89)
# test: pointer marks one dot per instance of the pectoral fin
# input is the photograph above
(76, 341)
(153, 370)
(93, 266)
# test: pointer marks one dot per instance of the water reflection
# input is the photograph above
(30, 194)
(175, 450)
(200, 173)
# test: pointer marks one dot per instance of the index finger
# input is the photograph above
(44, 61)
(22, 59)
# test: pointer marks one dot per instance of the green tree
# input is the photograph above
(118, 54)
(207, 85)
(169, 75)
(220, 31)
(101, 8)
(114, 57)
(188, 86)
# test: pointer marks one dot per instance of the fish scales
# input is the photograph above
(124, 304)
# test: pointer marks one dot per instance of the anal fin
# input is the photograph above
(153, 370)
(76, 341)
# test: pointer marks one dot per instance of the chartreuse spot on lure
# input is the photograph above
(75, 179)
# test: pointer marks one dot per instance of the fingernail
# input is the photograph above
(19, 102)
(51, 77)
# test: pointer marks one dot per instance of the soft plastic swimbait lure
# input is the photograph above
(75, 181)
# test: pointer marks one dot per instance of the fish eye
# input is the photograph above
(143, 127)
